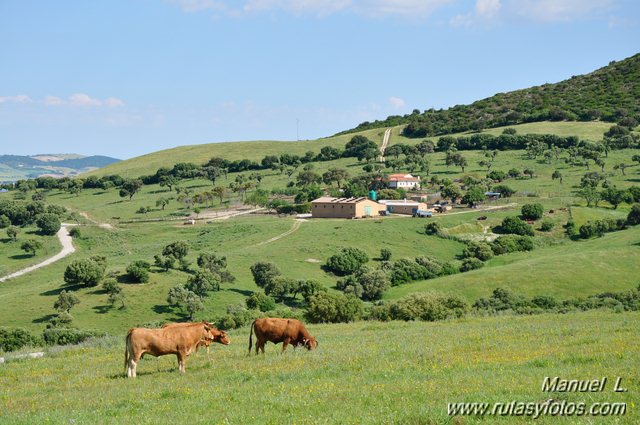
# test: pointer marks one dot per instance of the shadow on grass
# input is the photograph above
(244, 292)
(102, 309)
(57, 291)
(21, 256)
(44, 318)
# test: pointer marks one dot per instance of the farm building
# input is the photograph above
(403, 181)
(404, 206)
(328, 207)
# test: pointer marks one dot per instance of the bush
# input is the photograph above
(547, 225)
(75, 233)
(511, 243)
(4, 221)
(86, 272)
(48, 223)
(260, 301)
(406, 270)
(504, 190)
(515, 226)
(633, 218)
(12, 339)
(138, 271)
(570, 228)
(264, 272)
(385, 254)
(333, 308)
(432, 228)
(480, 250)
(348, 261)
(65, 336)
(368, 284)
(471, 264)
(428, 307)
(532, 211)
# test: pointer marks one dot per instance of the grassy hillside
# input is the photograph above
(199, 154)
(609, 93)
(362, 373)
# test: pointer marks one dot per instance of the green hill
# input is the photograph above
(610, 94)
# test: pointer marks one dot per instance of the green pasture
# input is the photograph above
(361, 373)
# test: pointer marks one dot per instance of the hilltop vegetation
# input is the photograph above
(611, 94)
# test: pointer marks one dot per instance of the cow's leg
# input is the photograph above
(133, 364)
(260, 346)
(181, 359)
(285, 343)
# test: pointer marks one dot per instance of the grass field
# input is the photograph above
(199, 154)
(13, 258)
(362, 373)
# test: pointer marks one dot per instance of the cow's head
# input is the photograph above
(214, 335)
(310, 343)
(222, 338)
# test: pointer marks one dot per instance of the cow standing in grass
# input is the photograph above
(221, 337)
(286, 331)
(178, 340)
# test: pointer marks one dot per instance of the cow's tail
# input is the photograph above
(127, 350)
(251, 335)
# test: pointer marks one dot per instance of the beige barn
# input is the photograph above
(328, 207)
(404, 206)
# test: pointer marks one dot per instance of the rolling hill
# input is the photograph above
(611, 94)
(16, 167)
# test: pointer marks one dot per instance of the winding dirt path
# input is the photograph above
(67, 248)
(385, 142)
(296, 226)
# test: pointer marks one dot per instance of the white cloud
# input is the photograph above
(21, 98)
(397, 102)
(82, 99)
(484, 12)
(406, 8)
(53, 101)
(113, 102)
(488, 8)
(199, 5)
(559, 10)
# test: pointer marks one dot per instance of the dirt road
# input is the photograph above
(67, 248)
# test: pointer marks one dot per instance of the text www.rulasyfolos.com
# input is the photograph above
(537, 409)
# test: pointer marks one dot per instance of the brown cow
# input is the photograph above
(181, 341)
(221, 337)
(286, 331)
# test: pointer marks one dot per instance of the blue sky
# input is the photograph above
(124, 78)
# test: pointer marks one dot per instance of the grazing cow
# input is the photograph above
(178, 340)
(221, 337)
(286, 331)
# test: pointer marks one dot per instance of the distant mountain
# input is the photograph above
(611, 93)
(16, 167)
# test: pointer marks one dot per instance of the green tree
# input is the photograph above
(504, 190)
(130, 187)
(516, 226)
(48, 223)
(474, 196)
(138, 271)
(203, 282)
(185, 300)
(532, 211)
(347, 261)
(557, 175)
(633, 218)
(168, 181)
(177, 250)
(385, 254)
(616, 196)
(12, 233)
(451, 192)
(30, 246)
(264, 272)
(65, 302)
(162, 203)
(86, 272)
(333, 308)
(260, 301)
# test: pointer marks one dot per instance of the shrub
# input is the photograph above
(428, 307)
(385, 254)
(368, 284)
(333, 308)
(432, 228)
(480, 250)
(633, 218)
(75, 233)
(570, 228)
(347, 261)
(406, 270)
(260, 301)
(532, 211)
(511, 243)
(65, 302)
(86, 272)
(264, 272)
(471, 264)
(138, 271)
(504, 190)
(547, 225)
(4, 221)
(12, 339)
(48, 223)
(516, 226)
(65, 336)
